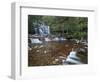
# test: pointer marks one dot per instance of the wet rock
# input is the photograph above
(29, 48)
(41, 46)
(35, 46)
(45, 52)
(66, 45)
(82, 50)
(37, 50)
(56, 39)
(47, 39)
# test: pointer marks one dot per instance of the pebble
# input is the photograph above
(29, 48)
(37, 50)
(66, 45)
(36, 47)
(41, 46)
(45, 52)
(56, 59)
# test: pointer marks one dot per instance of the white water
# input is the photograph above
(72, 58)
(35, 40)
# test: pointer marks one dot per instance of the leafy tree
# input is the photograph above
(67, 26)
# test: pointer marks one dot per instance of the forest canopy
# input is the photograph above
(75, 27)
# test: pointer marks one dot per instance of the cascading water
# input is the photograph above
(72, 58)
(42, 30)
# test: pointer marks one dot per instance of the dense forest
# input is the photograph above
(75, 27)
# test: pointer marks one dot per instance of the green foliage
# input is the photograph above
(79, 35)
(74, 26)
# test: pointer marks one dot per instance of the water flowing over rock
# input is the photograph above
(35, 40)
(42, 29)
(72, 58)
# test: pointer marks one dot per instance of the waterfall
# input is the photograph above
(72, 58)
(42, 30)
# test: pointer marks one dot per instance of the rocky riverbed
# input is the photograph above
(49, 53)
